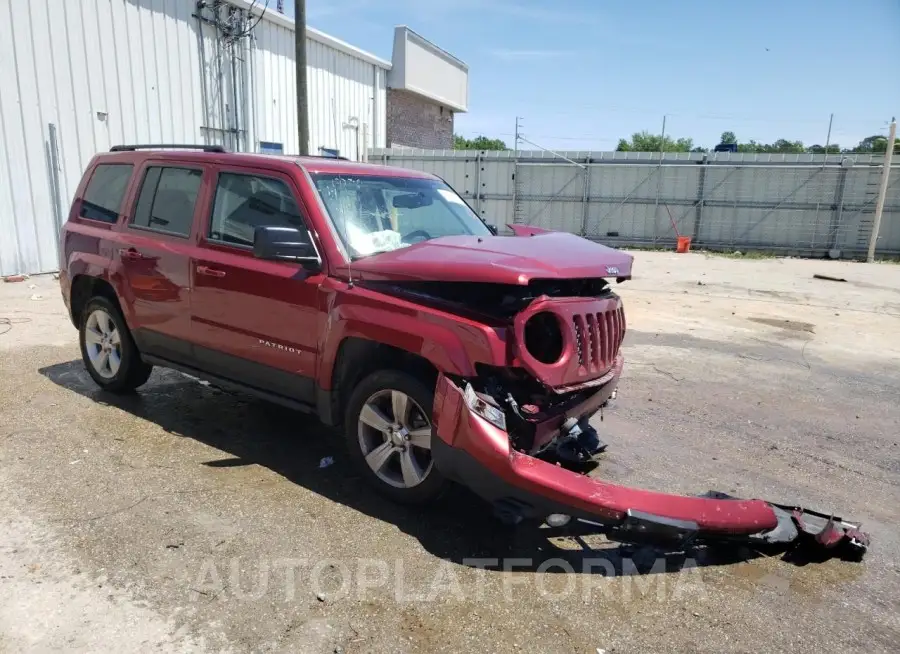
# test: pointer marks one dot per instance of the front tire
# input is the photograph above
(388, 429)
(108, 350)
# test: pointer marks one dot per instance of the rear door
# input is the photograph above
(155, 258)
(255, 321)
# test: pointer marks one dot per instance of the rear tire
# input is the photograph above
(108, 350)
(388, 427)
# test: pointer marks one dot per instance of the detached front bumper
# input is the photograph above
(475, 453)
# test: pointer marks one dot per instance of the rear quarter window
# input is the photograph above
(105, 191)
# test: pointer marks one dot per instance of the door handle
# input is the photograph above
(210, 272)
(131, 254)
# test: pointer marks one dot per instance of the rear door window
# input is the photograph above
(167, 200)
(245, 202)
(104, 193)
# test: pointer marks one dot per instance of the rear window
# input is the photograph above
(167, 199)
(103, 197)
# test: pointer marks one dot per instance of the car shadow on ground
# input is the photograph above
(459, 527)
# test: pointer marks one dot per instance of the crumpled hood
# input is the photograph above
(497, 259)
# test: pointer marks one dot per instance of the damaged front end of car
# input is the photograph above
(471, 447)
(520, 434)
(563, 359)
(520, 437)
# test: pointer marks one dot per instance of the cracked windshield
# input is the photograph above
(380, 214)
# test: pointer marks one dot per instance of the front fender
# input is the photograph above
(452, 344)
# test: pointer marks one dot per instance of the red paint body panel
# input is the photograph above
(497, 259)
(451, 343)
(459, 428)
(585, 356)
(268, 312)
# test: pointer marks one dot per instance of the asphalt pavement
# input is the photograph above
(183, 518)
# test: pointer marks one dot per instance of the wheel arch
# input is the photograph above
(357, 358)
(85, 287)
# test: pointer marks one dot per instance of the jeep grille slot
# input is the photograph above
(580, 339)
(598, 338)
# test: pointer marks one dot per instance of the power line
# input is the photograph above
(737, 117)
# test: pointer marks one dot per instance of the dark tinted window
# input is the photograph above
(103, 196)
(167, 199)
(245, 202)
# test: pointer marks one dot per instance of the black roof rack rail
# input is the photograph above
(167, 146)
(325, 156)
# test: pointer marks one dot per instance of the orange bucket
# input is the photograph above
(684, 244)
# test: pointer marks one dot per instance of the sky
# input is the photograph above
(582, 74)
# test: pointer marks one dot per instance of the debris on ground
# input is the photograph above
(37, 296)
(15, 278)
(326, 461)
(320, 597)
(829, 278)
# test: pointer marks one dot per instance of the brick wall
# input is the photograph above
(416, 122)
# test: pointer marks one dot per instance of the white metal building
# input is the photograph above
(78, 76)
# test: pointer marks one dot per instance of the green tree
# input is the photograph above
(728, 137)
(834, 148)
(647, 142)
(478, 143)
(781, 146)
(874, 145)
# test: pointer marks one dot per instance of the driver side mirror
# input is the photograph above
(284, 244)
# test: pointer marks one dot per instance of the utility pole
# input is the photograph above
(515, 175)
(828, 138)
(516, 144)
(662, 147)
(882, 192)
(300, 61)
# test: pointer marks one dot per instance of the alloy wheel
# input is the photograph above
(395, 438)
(103, 344)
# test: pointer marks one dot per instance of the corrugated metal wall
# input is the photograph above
(77, 76)
(802, 204)
(344, 93)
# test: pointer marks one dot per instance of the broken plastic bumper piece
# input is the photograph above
(477, 453)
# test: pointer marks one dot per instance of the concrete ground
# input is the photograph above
(187, 519)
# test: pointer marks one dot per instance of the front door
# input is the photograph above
(254, 321)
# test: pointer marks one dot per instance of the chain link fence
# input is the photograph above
(807, 205)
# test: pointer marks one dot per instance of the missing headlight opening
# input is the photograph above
(544, 337)
(538, 420)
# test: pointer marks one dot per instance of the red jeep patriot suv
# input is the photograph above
(377, 299)
(372, 296)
